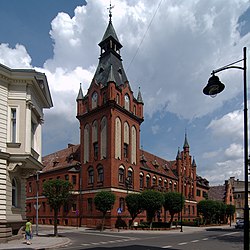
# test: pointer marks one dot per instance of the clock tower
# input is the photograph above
(110, 117)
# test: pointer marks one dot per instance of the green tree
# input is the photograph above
(220, 212)
(104, 202)
(58, 193)
(230, 211)
(151, 201)
(133, 202)
(174, 203)
(210, 210)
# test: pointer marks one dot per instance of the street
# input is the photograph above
(216, 238)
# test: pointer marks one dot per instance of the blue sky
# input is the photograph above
(185, 41)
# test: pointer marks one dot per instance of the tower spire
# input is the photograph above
(186, 145)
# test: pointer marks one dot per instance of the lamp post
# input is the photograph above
(37, 205)
(181, 206)
(213, 88)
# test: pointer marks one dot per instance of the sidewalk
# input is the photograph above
(42, 241)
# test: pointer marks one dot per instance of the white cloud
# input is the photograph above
(184, 43)
(17, 57)
(155, 129)
(230, 125)
(235, 151)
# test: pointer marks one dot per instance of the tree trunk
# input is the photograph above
(55, 222)
(103, 221)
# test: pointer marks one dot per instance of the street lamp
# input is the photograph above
(213, 88)
(37, 205)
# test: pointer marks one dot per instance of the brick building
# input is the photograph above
(232, 192)
(109, 156)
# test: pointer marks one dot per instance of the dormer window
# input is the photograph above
(155, 163)
(94, 100)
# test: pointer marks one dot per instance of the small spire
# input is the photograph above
(193, 163)
(178, 156)
(80, 94)
(139, 97)
(186, 145)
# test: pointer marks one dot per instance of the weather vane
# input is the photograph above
(110, 12)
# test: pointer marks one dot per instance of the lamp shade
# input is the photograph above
(214, 86)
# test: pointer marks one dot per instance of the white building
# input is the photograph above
(24, 93)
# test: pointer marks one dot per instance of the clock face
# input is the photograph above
(126, 98)
(94, 96)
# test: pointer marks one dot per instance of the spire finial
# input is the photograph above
(110, 12)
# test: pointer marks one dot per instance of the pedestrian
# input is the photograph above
(28, 231)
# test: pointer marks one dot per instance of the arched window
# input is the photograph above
(148, 181)
(166, 185)
(154, 181)
(95, 139)
(126, 140)
(100, 174)
(14, 192)
(86, 144)
(160, 182)
(118, 138)
(94, 99)
(175, 187)
(121, 174)
(90, 175)
(170, 186)
(130, 177)
(141, 180)
(133, 149)
(127, 102)
(104, 138)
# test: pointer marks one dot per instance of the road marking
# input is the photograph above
(194, 241)
(109, 235)
(166, 246)
(229, 233)
(205, 239)
(107, 242)
(182, 243)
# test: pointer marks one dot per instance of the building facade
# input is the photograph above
(109, 156)
(24, 94)
(231, 193)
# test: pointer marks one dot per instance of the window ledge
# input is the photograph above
(34, 153)
(13, 144)
(16, 210)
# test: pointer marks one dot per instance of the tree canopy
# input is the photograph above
(174, 203)
(151, 201)
(133, 202)
(104, 201)
(58, 193)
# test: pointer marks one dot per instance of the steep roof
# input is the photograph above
(157, 165)
(67, 157)
(110, 32)
(217, 193)
(110, 68)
